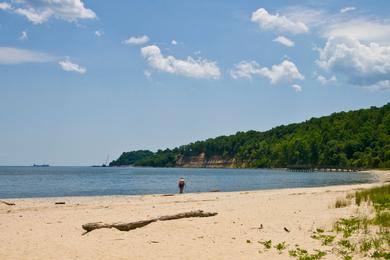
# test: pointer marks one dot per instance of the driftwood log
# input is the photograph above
(138, 224)
(7, 203)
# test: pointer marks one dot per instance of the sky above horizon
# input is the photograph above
(81, 80)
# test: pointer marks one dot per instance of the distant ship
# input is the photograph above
(104, 164)
(40, 165)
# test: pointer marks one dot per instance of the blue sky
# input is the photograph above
(81, 80)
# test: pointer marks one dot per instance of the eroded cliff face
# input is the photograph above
(201, 161)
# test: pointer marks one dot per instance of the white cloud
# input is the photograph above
(297, 88)
(134, 40)
(285, 71)
(99, 33)
(200, 68)
(381, 85)
(360, 29)
(356, 62)
(245, 69)
(277, 22)
(5, 6)
(309, 16)
(40, 11)
(364, 28)
(9, 55)
(347, 9)
(23, 36)
(323, 80)
(284, 41)
(173, 42)
(67, 65)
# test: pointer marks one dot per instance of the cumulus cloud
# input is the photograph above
(285, 71)
(23, 36)
(347, 9)
(9, 55)
(284, 41)
(173, 42)
(360, 29)
(5, 6)
(39, 11)
(268, 21)
(199, 68)
(137, 40)
(356, 62)
(67, 65)
(323, 80)
(297, 88)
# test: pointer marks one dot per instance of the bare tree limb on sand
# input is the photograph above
(7, 203)
(138, 224)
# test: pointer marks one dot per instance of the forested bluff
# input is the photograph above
(354, 139)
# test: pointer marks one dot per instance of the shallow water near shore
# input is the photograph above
(32, 182)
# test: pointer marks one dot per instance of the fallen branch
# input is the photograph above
(138, 224)
(7, 203)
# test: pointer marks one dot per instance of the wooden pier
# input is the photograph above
(327, 168)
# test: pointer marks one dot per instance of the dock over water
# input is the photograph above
(310, 168)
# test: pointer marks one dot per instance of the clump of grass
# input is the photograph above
(377, 243)
(347, 245)
(382, 219)
(380, 254)
(326, 240)
(342, 203)
(303, 254)
(365, 246)
(347, 226)
(380, 197)
(267, 244)
(281, 246)
(350, 196)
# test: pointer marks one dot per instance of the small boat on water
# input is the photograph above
(41, 165)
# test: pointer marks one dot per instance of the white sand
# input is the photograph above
(38, 229)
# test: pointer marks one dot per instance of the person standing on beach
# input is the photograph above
(182, 183)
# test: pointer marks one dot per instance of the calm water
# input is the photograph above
(25, 182)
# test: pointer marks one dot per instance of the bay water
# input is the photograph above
(32, 182)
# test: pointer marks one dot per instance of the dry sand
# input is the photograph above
(39, 229)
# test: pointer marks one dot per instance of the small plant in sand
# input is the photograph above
(379, 254)
(347, 226)
(325, 239)
(365, 245)
(267, 244)
(281, 246)
(303, 254)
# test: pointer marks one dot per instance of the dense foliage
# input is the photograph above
(348, 139)
(129, 158)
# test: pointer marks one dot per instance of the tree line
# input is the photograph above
(358, 139)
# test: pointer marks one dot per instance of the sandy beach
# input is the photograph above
(40, 229)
